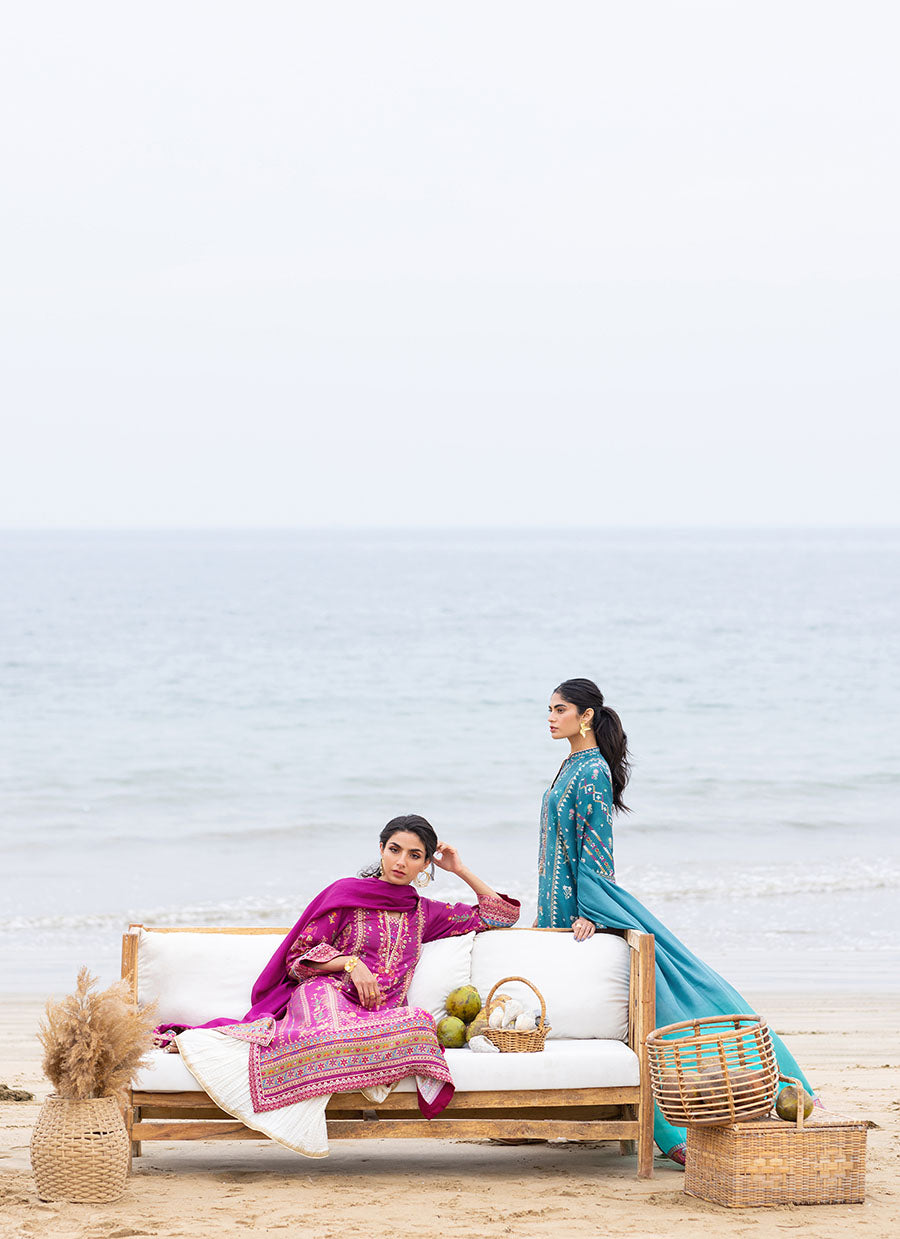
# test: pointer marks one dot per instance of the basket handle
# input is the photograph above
(801, 1097)
(525, 981)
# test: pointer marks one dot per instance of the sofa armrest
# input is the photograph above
(641, 990)
(130, 940)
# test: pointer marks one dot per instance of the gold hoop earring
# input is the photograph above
(424, 879)
(584, 728)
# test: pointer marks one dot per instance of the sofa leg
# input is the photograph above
(134, 1115)
(627, 1147)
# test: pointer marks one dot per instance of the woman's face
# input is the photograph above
(565, 719)
(403, 858)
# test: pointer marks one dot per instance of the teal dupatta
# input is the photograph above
(576, 877)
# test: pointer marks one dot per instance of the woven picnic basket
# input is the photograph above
(713, 1071)
(816, 1161)
(507, 1040)
(79, 1150)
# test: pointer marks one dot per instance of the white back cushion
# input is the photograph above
(585, 984)
(197, 977)
(442, 967)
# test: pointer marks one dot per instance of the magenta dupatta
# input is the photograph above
(273, 987)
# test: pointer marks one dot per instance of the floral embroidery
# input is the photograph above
(576, 833)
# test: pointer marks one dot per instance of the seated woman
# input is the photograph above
(329, 1011)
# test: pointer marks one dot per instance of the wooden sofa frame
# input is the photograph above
(573, 1114)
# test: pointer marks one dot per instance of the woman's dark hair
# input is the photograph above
(608, 732)
(416, 825)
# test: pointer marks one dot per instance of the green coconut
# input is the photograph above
(786, 1104)
(478, 1025)
(451, 1032)
(464, 1003)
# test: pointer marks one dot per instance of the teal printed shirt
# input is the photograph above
(576, 835)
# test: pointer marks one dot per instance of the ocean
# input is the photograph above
(207, 727)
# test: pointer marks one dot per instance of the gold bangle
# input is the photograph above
(351, 963)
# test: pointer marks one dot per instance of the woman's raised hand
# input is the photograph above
(367, 986)
(446, 857)
(583, 929)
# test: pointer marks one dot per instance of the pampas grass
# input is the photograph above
(95, 1042)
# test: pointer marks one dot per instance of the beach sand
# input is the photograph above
(847, 1043)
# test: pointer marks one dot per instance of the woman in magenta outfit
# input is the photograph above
(329, 1011)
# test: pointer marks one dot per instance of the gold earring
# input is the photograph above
(423, 879)
(584, 728)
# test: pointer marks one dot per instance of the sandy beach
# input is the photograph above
(848, 1043)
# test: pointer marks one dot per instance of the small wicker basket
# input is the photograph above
(817, 1161)
(713, 1071)
(79, 1150)
(508, 1040)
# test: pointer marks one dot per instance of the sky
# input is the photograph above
(515, 264)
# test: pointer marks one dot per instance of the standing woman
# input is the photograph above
(576, 876)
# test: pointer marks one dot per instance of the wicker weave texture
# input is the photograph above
(507, 1040)
(775, 1163)
(79, 1150)
(713, 1071)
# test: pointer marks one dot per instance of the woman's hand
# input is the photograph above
(583, 929)
(447, 858)
(367, 986)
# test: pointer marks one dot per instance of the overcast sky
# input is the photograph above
(458, 264)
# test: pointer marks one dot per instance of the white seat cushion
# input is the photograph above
(584, 984)
(166, 1074)
(561, 1064)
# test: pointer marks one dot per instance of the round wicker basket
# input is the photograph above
(713, 1071)
(79, 1150)
(507, 1040)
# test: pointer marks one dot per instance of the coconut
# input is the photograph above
(478, 1025)
(786, 1105)
(451, 1032)
(464, 1003)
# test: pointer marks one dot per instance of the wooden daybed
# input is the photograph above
(182, 969)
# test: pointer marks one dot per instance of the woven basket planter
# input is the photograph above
(79, 1150)
(713, 1071)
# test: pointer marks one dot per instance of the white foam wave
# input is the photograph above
(762, 882)
(646, 883)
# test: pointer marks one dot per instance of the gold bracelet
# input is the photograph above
(351, 963)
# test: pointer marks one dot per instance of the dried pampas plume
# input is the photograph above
(95, 1042)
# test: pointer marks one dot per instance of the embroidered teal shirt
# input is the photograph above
(576, 834)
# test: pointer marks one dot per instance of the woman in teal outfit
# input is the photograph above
(576, 876)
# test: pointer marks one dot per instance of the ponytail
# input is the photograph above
(608, 732)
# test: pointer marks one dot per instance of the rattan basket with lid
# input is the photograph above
(817, 1161)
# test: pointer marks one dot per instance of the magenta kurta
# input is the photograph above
(310, 1035)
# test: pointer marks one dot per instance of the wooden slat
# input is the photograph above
(386, 1129)
(232, 1130)
(480, 1129)
(173, 1100)
(506, 1101)
(510, 1100)
(188, 1112)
